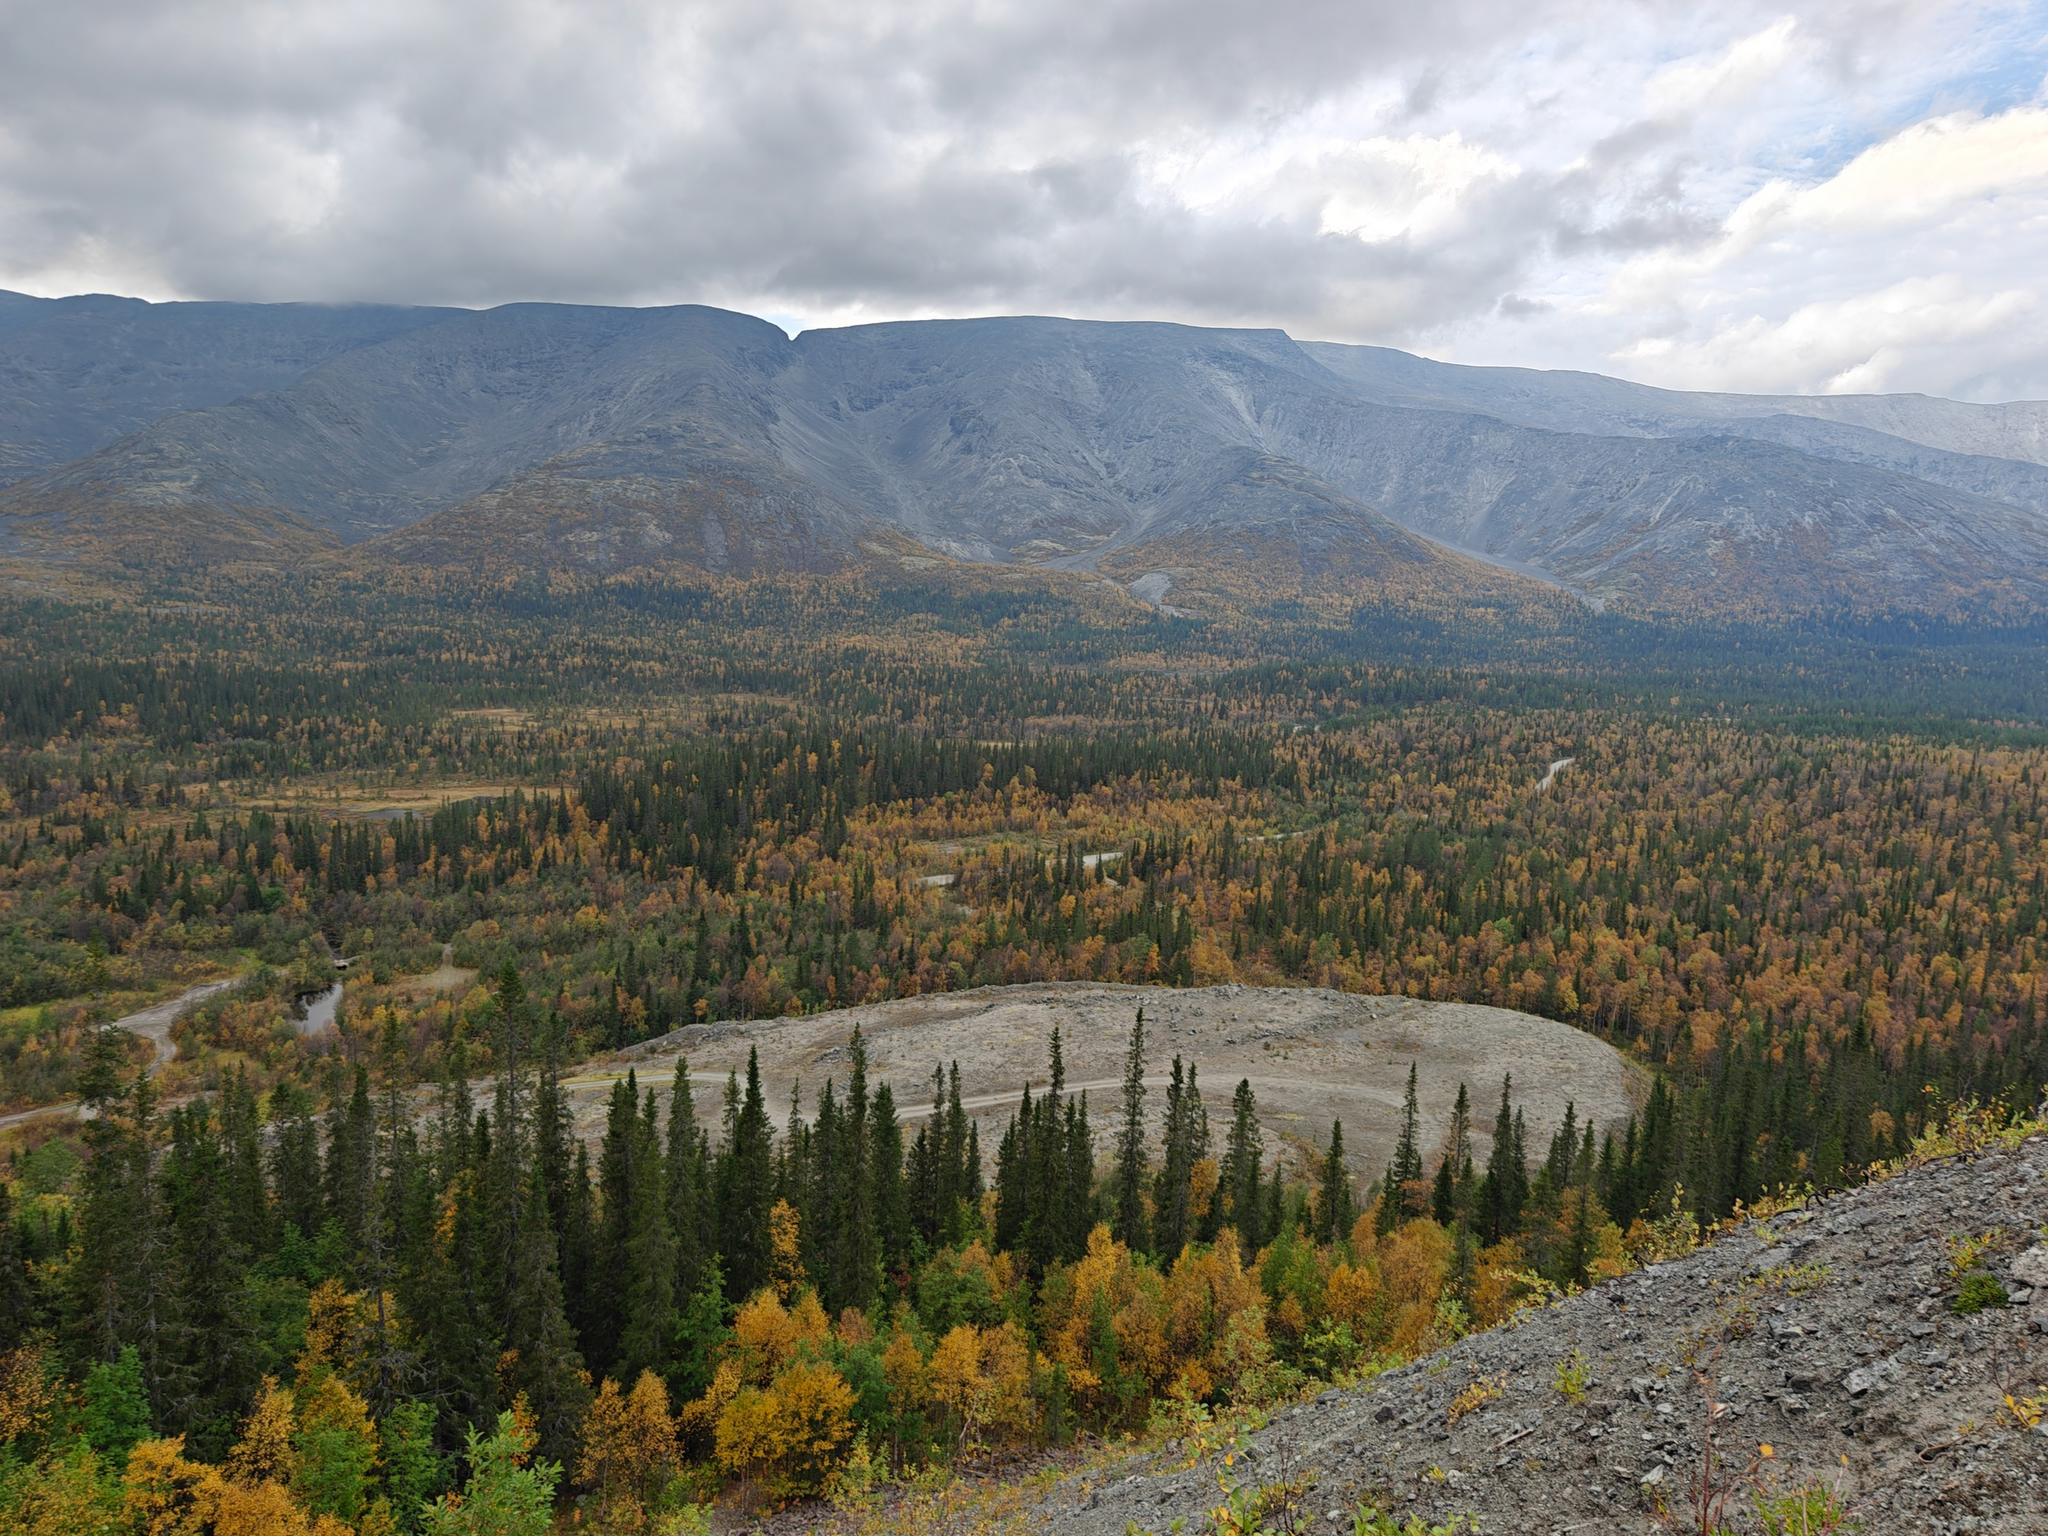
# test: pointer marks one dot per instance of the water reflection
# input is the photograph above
(319, 1010)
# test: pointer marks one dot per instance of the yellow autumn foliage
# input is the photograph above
(785, 1248)
(1106, 1281)
(903, 1368)
(629, 1441)
(166, 1495)
(27, 1394)
(983, 1377)
(791, 1435)
(1209, 1296)
(264, 1453)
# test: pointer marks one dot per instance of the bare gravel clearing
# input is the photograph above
(1312, 1057)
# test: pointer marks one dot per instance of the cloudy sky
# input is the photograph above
(1822, 195)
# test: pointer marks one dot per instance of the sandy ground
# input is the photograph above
(1311, 1056)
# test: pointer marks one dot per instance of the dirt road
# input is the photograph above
(154, 1025)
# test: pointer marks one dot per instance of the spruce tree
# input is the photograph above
(648, 1311)
(444, 1294)
(856, 1268)
(1238, 1188)
(921, 1177)
(1078, 1200)
(242, 1166)
(1556, 1174)
(1013, 1183)
(617, 1185)
(1578, 1250)
(689, 1195)
(1451, 1170)
(295, 1159)
(1186, 1142)
(117, 1286)
(579, 1248)
(821, 1193)
(553, 1131)
(1128, 1221)
(1500, 1207)
(958, 1167)
(885, 1178)
(1405, 1168)
(351, 1170)
(1044, 1167)
(1333, 1191)
(745, 1185)
(207, 1366)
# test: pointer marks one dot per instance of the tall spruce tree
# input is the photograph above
(885, 1178)
(1077, 1203)
(1333, 1191)
(118, 1285)
(241, 1128)
(618, 1179)
(689, 1193)
(1453, 1167)
(547, 1364)
(648, 1310)
(207, 1364)
(1185, 1142)
(1238, 1189)
(295, 1159)
(1397, 1204)
(1128, 1192)
(350, 1175)
(746, 1187)
(1504, 1192)
(856, 1269)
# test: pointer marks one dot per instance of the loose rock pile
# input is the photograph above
(1826, 1334)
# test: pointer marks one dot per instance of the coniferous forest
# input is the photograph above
(334, 1255)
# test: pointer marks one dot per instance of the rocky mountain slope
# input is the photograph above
(77, 374)
(1827, 1334)
(599, 440)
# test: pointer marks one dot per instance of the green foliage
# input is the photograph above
(414, 1472)
(115, 1414)
(1812, 1510)
(1371, 1520)
(60, 1495)
(502, 1497)
(1570, 1377)
(1980, 1289)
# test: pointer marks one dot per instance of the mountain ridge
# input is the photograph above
(595, 439)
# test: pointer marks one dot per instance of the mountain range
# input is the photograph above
(1177, 460)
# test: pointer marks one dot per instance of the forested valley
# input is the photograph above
(367, 1276)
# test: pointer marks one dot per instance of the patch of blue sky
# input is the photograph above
(1999, 64)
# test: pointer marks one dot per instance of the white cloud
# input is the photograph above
(1406, 188)
(1864, 344)
(1740, 69)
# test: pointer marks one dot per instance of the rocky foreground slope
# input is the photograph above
(1826, 1334)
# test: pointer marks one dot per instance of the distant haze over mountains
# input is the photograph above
(599, 440)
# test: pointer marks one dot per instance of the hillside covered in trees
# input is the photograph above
(366, 1276)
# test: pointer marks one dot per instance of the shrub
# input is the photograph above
(1979, 1290)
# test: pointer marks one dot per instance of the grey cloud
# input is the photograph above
(806, 156)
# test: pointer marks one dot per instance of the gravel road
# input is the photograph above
(154, 1025)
